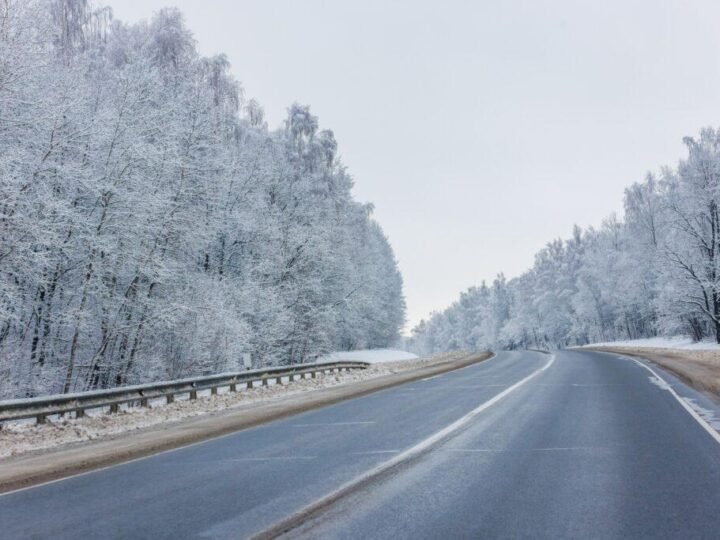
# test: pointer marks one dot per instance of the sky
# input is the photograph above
(480, 130)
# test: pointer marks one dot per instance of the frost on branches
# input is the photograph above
(152, 227)
(656, 272)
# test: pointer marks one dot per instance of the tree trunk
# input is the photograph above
(76, 334)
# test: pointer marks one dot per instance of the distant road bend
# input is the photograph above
(526, 445)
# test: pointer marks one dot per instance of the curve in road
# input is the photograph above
(588, 447)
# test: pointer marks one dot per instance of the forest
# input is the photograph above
(655, 271)
(153, 226)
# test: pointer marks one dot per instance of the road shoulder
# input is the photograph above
(27, 470)
(699, 369)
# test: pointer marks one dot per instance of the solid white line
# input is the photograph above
(700, 420)
(302, 515)
(455, 426)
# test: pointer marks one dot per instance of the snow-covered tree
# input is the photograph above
(152, 226)
(655, 271)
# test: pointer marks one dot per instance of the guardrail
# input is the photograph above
(42, 407)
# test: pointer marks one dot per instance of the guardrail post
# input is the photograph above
(213, 391)
(193, 394)
(170, 398)
(79, 413)
(114, 407)
(291, 378)
(313, 374)
(265, 381)
(40, 418)
(278, 380)
(249, 385)
(233, 387)
(143, 402)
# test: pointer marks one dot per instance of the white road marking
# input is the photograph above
(178, 448)
(302, 515)
(659, 382)
(700, 420)
(322, 424)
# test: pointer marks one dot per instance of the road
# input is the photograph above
(575, 445)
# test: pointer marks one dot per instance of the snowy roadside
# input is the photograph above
(678, 342)
(20, 438)
(373, 356)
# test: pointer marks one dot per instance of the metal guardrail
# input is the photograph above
(42, 407)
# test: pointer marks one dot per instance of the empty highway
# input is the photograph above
(524, 445)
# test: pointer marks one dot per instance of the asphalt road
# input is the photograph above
(588, 447)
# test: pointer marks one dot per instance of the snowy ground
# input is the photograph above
(679, 342)
(370, 355)
(22, 437)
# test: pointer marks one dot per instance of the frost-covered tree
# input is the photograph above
(655, 271)
(152, 226)
(692, 249)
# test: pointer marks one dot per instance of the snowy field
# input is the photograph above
(678, 342)
(373, 356)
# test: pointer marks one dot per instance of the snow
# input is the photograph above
(373, 356)
(677, 342)
(91, 302)
(659, 383)
(706, 414)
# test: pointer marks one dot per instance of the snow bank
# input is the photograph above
(678, 342)
(373, 356)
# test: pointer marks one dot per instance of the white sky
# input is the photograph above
(480, 129)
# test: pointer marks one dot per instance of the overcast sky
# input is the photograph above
(480, 130)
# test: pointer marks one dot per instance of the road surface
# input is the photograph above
(575, 445)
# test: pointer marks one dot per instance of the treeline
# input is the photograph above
(152, 226)
(655, 272)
